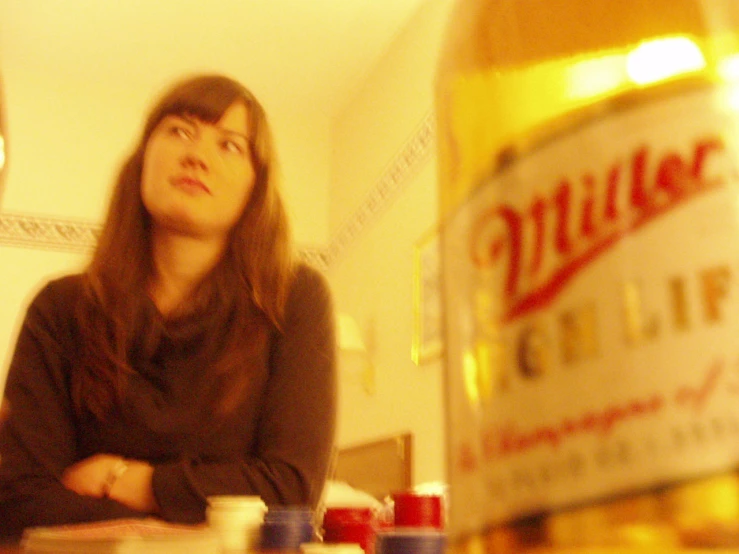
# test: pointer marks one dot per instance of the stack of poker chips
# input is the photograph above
(407, 540)
(419, 521)
(285, 529)
(350, 525)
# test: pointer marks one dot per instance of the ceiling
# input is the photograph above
(294, 54)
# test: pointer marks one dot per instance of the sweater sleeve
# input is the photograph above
(38, 440)
(297, 419)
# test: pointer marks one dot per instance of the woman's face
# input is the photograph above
(197, 177)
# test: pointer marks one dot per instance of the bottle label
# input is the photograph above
(592, 313)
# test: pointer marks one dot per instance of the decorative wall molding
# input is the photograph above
(47, 233)
(70, 235)
(414, 153)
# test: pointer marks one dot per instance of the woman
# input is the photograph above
(193, 357)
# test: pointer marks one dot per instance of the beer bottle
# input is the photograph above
(589, 216)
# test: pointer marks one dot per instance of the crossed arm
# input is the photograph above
(109, 476)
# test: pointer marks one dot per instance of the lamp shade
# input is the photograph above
(350, 337)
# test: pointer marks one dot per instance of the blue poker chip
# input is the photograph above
(286, 528)
(410, 541)
(279, 536)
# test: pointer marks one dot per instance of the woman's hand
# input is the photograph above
(131, 487)
(88, 477)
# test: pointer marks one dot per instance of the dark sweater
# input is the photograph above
(276, 444)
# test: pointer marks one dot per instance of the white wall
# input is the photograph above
(373, 277)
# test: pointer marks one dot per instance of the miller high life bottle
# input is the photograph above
(589, 197)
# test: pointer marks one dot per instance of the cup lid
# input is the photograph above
(236, 502)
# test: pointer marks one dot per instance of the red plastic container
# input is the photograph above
(418, 510)
(350, 525)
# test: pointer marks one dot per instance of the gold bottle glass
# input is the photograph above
(588, 187)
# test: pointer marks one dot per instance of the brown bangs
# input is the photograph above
(206, 98)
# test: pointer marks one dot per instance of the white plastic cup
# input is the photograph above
(237, 521)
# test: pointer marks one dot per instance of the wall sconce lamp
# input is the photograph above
(354, 355)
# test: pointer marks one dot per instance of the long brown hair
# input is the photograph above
(254, 274)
